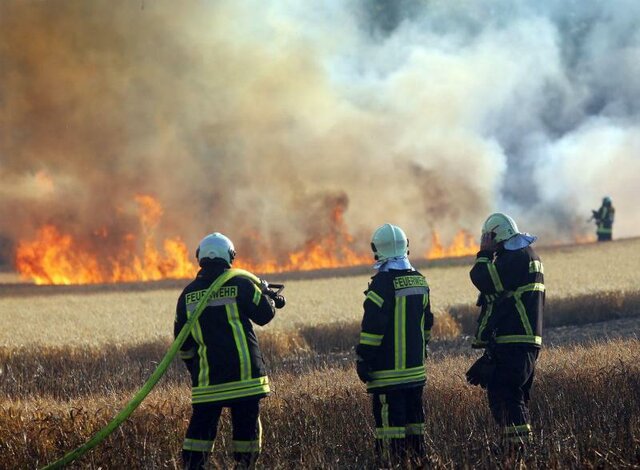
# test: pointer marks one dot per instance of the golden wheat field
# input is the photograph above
(71, 358)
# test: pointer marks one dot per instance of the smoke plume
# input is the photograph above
(256, 118)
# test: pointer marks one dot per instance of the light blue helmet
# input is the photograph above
(389, 241)
(216, 245)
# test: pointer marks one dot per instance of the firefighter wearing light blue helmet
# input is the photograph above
(390, 247)
(216, 245)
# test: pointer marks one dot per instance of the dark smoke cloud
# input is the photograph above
(256, 117)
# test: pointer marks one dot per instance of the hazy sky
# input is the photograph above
(259, 118)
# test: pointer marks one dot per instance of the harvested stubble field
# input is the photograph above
(69, 361)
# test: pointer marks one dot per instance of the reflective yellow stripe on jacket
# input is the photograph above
(528, 337)
(230, 391)
(384, 378)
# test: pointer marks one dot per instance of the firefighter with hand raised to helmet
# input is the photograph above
(396, 328)
(509, 275)
(223, 356)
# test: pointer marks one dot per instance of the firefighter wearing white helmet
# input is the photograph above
(509, 275)
(216, 245)
(396, 327)
(222, 354)
(388, 242)
(501, 225)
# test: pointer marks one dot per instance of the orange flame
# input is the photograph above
(333, 250)
(57, 258)
(54, 257)
(463, 244)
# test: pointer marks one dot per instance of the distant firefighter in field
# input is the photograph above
(604, 219)
(396, 328)
(223, 356)
(509, 276)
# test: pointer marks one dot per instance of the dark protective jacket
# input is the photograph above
(222, 352)
(512, 296)
(604, 218)
(396, 328)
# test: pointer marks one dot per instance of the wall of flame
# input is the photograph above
(128, 130)
(54, 257)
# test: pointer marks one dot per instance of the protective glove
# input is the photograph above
(278, 299)
(487, 242)
(364, 371)
(481, 372)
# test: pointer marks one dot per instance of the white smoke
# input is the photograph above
(256, 117)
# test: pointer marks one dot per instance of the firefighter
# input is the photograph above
(604, 219)
(223, 356)
(396, 328)
(509, 276)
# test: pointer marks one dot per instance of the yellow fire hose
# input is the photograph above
(103, 433)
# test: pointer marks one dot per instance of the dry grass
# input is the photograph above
(84, 316)
(129, 317)
(69, 361)
(321, 418)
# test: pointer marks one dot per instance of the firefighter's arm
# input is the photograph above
(256, 305)
(484, 274)
(373, 326)
(428, 321)
(188, 349)
(511, 269)
(428, 317)
(478, 342)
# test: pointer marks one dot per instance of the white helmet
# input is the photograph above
(502, 225)
(216, 245)
(389, 241)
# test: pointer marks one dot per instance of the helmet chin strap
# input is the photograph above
(375, 251)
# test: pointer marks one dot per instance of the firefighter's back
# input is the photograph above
(228, 363)
(399, 362)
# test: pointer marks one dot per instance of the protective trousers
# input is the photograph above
(509, 391)
(203, 428)
(399, 418)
